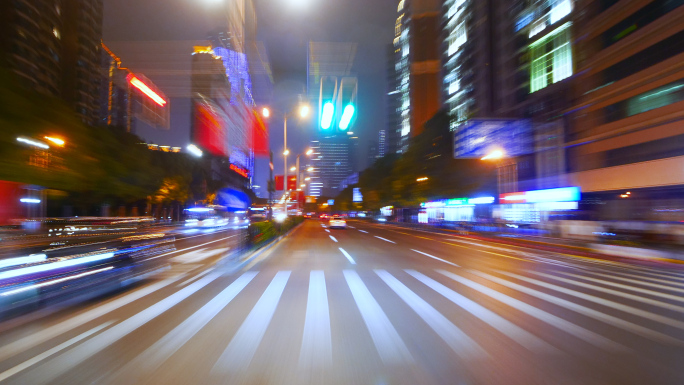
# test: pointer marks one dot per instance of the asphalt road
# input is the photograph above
(372, 304)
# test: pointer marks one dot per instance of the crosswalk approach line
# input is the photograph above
(387, 341)
(458, 341)
(316, 348)
(506, 327)
(555, 321)
(239, 353)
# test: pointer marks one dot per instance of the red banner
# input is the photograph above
(292, 182)
(279, 182)
(259, 135)
(209, 130)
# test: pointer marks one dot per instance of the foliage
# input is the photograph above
(262, 232)
(392, 180)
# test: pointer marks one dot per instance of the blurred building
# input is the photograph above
(54, 48)
(624, 144)
(130, 100)
(382, 144)
(415, 78)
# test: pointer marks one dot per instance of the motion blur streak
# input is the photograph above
(74, 357)
(49, 265)
(22, 260)
(54, 281)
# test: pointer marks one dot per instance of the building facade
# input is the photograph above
(625, 132)
(53, 46)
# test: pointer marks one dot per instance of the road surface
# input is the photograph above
(372, 304)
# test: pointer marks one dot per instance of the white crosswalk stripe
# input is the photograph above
(387, 341)
(244, 344)
(445, 304)
(555, 321)
(457, 340)
(316, 341)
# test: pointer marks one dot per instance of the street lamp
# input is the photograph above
(265, 112)
(310, 169)
(293, 168)
(309, 151)
(194, 150)
(286, 152)
(504, 178)
(57, 141)
(422, 179)
(494, 155)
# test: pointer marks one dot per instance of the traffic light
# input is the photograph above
(347, 116)
(327, 115)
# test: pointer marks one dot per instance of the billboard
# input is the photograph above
(209, 128)
(479, 137)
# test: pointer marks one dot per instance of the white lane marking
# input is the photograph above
(351, 227)
(642, 278)
(591, 313)
(457, 340)
(566, 326)
(39, 337)
(349, 257)
(196, 277)
(654, 293)
(513, 331)
(615, 305)
(364, 231)
(327, 231)
(69, 360)
(384, 239)
(190, 248)
(388, 343)
(154, 356)
(28, 363)
(241, 349)
(317, 340)
(198, 255)
(433, 257)
(333, 238)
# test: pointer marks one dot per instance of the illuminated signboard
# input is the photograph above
(357, 196)
(479, 137)
(239, 170)
(480, 201)
(564, 194)
(457, 202)
(145, 89)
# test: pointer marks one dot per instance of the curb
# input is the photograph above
(255, 253)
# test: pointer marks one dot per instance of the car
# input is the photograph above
(324, 216)
(337, 221)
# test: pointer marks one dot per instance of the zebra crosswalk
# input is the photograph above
(405, 318)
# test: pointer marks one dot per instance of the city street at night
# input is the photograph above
(371, 304)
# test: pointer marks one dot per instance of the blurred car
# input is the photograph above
(323, 216)
(337, 221)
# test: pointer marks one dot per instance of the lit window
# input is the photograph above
(559, 10)
(400, 7)
(457, 39)
(55, 32)
(454, 87)
(551, 58)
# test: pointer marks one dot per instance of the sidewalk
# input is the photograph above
(643, 255)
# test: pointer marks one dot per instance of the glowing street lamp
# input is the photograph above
(309, 151)
(33, 143)
(422, 179)
(496, 154)
(56, 141)
(286, 152)
(310, 169)
(293, 168)
(194, 150)
(304, 111)
(265, 112)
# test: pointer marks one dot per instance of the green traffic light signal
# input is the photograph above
(327, 115)
(347, 116)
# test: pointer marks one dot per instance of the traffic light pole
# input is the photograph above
(285, 159)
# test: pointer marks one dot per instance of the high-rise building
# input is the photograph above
(130, 100)
(54, 48)
(624, 143)
(382, 144)
(331, 165)
(416, 73)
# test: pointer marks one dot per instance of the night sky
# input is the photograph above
(155, 37)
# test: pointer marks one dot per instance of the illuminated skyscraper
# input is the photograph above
(416, 73)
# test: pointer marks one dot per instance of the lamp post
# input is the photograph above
(506, 171)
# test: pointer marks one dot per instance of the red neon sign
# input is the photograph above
(145, 89)
(239, 170)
